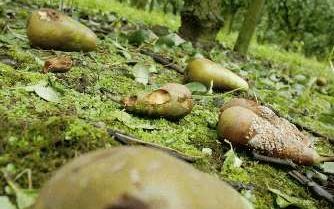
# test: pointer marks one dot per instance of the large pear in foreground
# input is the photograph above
(205, 71)
(50, 29)
(135, 178)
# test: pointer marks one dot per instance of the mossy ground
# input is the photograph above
(42, 136)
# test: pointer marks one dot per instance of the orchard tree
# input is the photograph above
(230, 9)
(300, 25)
(201, 21)
(140, 4)
(251, 18)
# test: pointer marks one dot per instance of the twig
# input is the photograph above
(315, 188)
(162, 60)
(115, 98)
(129, 140)
(277, 161)
(331, 65)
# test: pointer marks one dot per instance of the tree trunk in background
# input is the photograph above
(152, 5)
(201, 21)
(228, 21)
(248, 28)
(140, 4)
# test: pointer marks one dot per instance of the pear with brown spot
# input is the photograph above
(135, 178)
(245, 123)
(50, 29)
(172, 101)
(59, 64)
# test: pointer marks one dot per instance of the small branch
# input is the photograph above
(129, 140)
(274, 160)
(112, 96)
(315, 188)
(167, 62)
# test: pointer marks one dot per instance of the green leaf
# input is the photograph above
(328, 167)
(142, 36)
(141, 73)
(231, 161)
(46, 92)
(25, 198)
(130, 122)
(196, 88)
(171, 40)
(284, 200)
(5, 203)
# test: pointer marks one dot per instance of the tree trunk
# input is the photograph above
(248, 28)
(152, 5)
(228, 21)
(140, 4)
(201, 21)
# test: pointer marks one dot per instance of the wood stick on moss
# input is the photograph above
(274, 160)
(129, 140)
(167, 62)
(315, 188)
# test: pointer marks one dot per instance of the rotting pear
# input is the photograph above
(245, 123)
(172, 101)
(60, 64)
(206, 71)
(50, 29)
(135, 178)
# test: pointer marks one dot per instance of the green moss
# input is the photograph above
(42, 136)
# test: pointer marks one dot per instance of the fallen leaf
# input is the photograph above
(141, 73)
(171, 40)
(25, 198)
(127, 120)
(284, 200)
(46, 92)
(196, 88)
(5, 203)
(231, 161)
(328, 167)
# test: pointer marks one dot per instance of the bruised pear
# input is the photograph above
(205, 71)
(60, 64)
(135, 178)
(50, 29)
(244, 122)
(170, 101)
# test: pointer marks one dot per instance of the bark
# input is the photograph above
(249, 25)
(152, 5)
(228, 21)
(201, 21)
(140, 4)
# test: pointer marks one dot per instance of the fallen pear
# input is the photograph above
(60, 64)
(245, 123)
(50, 29)
(206, 71)
(171, 101)
(135, 178)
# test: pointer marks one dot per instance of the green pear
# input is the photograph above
(205, 71)
(171, 101)
(50, 29)
(135, 178)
